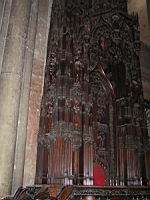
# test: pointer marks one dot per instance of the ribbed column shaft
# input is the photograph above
(24, 100)
(10, 84)
(36, 90)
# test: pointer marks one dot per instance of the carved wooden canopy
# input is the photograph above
(92, 109)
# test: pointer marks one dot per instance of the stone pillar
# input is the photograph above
(2, 6)
(24, 100)
(5, 8)
(36, 90)
(10, 84)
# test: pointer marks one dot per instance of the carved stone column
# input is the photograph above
(24, 100)
(36, 90)
(10, 84)
(5, 8)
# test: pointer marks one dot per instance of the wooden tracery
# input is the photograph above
(92, 107)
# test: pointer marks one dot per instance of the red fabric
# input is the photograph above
(99, 176)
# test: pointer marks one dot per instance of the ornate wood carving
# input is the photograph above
(97, 43)
(31, 193)
(81, 192)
